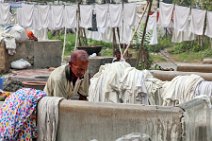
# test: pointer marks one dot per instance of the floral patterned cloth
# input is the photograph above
(18, 115)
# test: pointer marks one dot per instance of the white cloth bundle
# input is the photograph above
(132, 86)
(204, 88)
(104, 86)
(180, 89)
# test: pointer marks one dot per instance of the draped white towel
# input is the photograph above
(125, 34)
(48, 118)
(70, 16)
(197, 21)
(165, 16)
(115, 14)
(181, 18)
(102, 15)
(152, 28)
(5, 13)
(180, 36)
(208, 30)
(56, 17)
(36, 19)
(129, 14)
(86, 12)
(25, 15)
(44, 11)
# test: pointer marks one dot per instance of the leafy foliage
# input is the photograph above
(202, 4)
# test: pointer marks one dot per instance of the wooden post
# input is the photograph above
(143, 54)
(114, 41)
(77, 39)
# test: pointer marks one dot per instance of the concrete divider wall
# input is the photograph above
(197, 120)
(84, 121)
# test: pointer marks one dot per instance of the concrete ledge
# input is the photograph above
(207, 68)
(169, 75)
(207, 61)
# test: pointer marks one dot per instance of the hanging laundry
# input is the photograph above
(181, 18)
(180, 36)
(129, 14)
(165, 14)
(70, 18)
(25, 15)
(115, 14)
(86, 12)
(56, 17)
(95, 35)
(5, 13)
(44, 11)
(36, 19)
(125, 34)
(102, 16)
(107, 34)
(208, 30)
(152, 28)
(197, 21)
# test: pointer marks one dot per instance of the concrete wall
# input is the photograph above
(40, 54)
(84, 121)
(47, 54)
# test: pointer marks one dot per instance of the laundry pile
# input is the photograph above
(120, 83)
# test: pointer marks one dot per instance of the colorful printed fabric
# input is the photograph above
(18, 115)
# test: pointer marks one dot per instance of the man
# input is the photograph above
(69, 81)
(31, 35)
(117, 56)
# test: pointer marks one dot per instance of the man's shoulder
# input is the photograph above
(58, 73)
